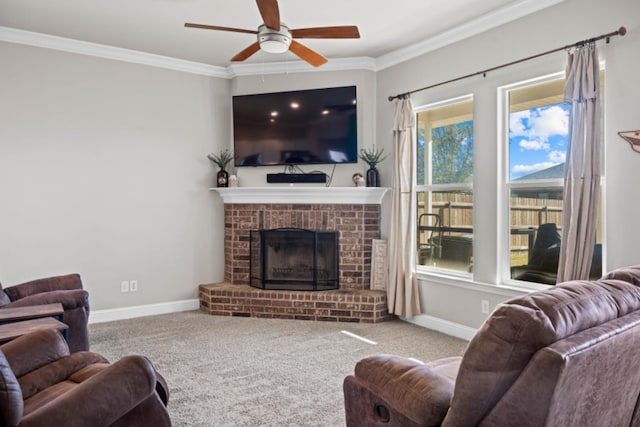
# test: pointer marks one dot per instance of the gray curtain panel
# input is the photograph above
(402, 292)
(582, 168)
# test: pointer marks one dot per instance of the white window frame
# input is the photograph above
(504, 244)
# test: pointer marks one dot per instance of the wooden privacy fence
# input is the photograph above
(456, 210)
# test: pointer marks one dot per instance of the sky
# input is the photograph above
(537, 139)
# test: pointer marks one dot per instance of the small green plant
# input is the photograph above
(222, 159)
(372, 156)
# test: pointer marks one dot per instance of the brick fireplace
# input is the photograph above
(353, 212)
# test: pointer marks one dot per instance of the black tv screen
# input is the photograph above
(316, 126)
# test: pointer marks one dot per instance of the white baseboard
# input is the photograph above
(446, 327)
(99, 316)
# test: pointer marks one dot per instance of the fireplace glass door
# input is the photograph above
(294, 259)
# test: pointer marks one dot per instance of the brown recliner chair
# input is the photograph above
(564, 357)
(42, 384)
(67, 290)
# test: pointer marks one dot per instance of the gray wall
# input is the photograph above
(458, 301)
(103, 171)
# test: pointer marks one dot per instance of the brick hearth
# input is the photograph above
(343, 305)
(358, 224)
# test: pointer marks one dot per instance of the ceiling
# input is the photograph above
(387, 27)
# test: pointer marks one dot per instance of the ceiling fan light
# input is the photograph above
(274, 46)
(273, 41)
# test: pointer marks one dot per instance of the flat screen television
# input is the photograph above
(316, 126)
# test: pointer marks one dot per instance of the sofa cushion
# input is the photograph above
(44, 347)
(48, 284)
(70, 299)
(520, 327)
(76, 367)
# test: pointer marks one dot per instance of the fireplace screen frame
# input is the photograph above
(260, 278)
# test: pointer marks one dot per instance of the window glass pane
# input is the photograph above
(538, 143)
(445, 144)
(538, 139)
(445, 229)
(445, 174)
(535, 215)
(536, 229)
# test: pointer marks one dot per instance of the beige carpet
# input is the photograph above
(233, 371)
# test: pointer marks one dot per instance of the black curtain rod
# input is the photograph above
(620, 32)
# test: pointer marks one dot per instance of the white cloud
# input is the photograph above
(557, 156)
(526, 144)
(517, 123)
(550, 121)
(539, 124)
(533, 168)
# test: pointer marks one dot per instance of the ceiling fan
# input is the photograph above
(275, 37)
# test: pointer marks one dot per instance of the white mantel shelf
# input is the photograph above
(302, 195)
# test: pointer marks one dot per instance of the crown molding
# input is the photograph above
(297, 66)
(469, 29)
(64, 44)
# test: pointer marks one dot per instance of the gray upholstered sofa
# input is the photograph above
(566, 356)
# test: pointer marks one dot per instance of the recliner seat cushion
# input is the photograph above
(63, 369)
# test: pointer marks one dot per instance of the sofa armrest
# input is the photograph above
(69, 299)
(48, 284)
(101, 399)
(629, 274)
(409, 388)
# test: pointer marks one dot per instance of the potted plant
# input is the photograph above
(222, 159)
(372, 156)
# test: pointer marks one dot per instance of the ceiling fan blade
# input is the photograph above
(312, 57)
(241, 56)
(270, 13)
(215, 27)
(341, 32)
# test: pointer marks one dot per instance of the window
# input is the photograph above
(538, 126)
(444, 185)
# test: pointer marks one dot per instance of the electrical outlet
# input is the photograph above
(124, 286)
(133, 285)
(484, 306)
